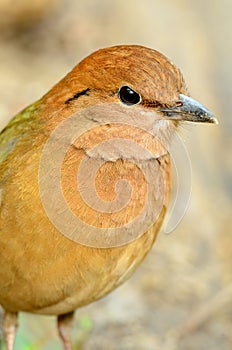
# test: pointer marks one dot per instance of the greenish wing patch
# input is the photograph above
(15, 129)
(6, 149)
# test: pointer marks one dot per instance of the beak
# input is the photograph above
(188, 109)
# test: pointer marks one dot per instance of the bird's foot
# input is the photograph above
(10, 325)
(64, 323)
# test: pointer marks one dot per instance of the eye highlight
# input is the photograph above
(128, 96)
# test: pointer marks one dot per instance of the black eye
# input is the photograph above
(128, 96)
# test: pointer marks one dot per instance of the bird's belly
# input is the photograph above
(70, 277)
(43, 271)
(116, 266)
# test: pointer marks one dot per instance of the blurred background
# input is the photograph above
(181, 296)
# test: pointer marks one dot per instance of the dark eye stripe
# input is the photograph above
(77, 95)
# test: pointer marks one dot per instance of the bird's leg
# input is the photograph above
(10, 325)
(64, 323)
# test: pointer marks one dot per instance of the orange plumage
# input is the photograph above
(113, 117)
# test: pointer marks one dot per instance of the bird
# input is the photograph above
(85, 181)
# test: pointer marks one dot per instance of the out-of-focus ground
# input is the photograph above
(181, 297)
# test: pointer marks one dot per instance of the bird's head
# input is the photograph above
(136, 81)
(137, 78)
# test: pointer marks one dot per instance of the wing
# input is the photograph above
(16, 129)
